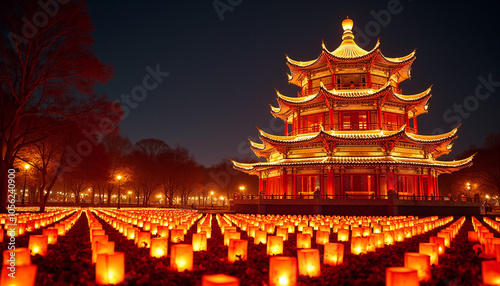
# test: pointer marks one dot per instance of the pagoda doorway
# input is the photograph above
(307, 185)
(359, 186)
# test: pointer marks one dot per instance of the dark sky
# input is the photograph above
(223, 74)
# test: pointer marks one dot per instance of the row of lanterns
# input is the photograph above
(17, 262)
(490, 269)
(23, 223)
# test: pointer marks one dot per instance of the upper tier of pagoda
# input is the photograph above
(397, 69)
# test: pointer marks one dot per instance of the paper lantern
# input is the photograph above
(322, 237)
(131, 233)
(99, 238)
(269, 228)
(419, 262)
(401, 276)
(307, 229)
(237, 250)
(490, 270)
(343, 235)
(144, 239)
(388, 237)
(260, 237)
(283, 232)
(282, 271)
(472, 236)
(334, 254)
(17, 257)
(163, 231)
(200, 241)
(372, 242)
(24, 276)
(231, 235)
(159, 247)
(274, 245)
(95, 232)
(219, 280)
(51, 234)
(357, 232)
(181, 257)
(489, 246)
(207, 230)
(308, 262)
(439, 241)
(38, 244)
(447, 237)
(176, 235)
(303, 240)
(359, 245)
(104, 247)
(431, 249)
(110, 268)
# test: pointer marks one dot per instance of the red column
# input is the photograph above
(286, 127)
(333, 80)
(379, 117)
(377, 184)
(415, 124)
(309, 86)
(284, 183)
(294, 185)
(390, 179)
(430, 183)
(341, 184)
(369, 76)
(407, 120)
(330, 116)
(331, 187)
(436, 185)
(260, 184)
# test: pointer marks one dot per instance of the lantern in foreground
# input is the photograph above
(439, 241)
(308, 262)
(199, 241)
(159, 247)
(260, 237)
(177, 235)
(430, 249)
(322, 237)
(163, 231)
(419, 262)
(303, 240)
(21, 257)
(274, 245)
(230, 234)
(219, 280)
(282, 271)
(282, 231)
(51, 234)
(334, 253)
(343, 235)
(181, 257)
(25, 276)
(401, 276)
(104, 247)
(490, 270)
(238, 249)
(447, 237)
(359, 245)
(38, 244)
(144, 239)
(110, 268)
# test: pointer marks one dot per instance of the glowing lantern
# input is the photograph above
(110, 268)
(358, 245)
(144, 239)
(38, 244)
(419, 262)
(104, 247)
(24, 276)
(372, 242)
(207, 230)
(439, 241)
(334, 253)
(21, 257)
(308, 262)
(343, 235)
(230, 235)
(219, 280)
(176, 235)
(163, 231)
(131, 233)
(401, 276)
(282, 271)
(200, 241)
(431, 249)
(181, 257)
(303, 240)
(491, 272)
(388, 237)
(307, 229)
(274, 245)
(447, 237)
(283, 232)
(357, 232)
(159, 247)
(322, 237)
(238, 249)
(260, 237)
(489, 246)
(269, 227)
(51, 234)
(399, 235)
(96, 232)
(472, 236)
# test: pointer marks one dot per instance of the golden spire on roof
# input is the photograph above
(347, 25)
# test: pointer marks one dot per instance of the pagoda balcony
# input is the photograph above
(341, 86)
(339, 127)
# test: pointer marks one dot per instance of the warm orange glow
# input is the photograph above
(274, 245)
(431, 249)
(219, 280)
(472, 236)
(283, 232)
(159, 247)
(38, 244)
(303, 240)
(176, 235)
(419, 262)
(25, 276)
(231, 235)
(491, 272)
(238, 250)
(334, 254)
(199, 241)
(343, 235)
(439, 241)
(21, 257)
(26, 167)
(181, 257)
(51, 234)
(102, 247)
(308, 262)
(118, 177)
(260, 237)
(144, 239)
(322, 237)
(401, 276)
(388, 237)
(282, 271)
(110, 268)
(359, 245)
(446, 236)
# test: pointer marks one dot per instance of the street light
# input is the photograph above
(129, 197)
(211, 197)
(119, 194)
(26, 168)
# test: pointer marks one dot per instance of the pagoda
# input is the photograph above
(351, 132)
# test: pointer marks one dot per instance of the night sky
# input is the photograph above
(223, 74)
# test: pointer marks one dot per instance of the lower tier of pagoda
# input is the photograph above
(351, 177)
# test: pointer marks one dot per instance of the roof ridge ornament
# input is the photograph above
(347, 25)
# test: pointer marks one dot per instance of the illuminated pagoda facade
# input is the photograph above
(351, 131)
